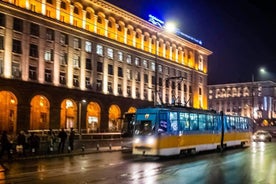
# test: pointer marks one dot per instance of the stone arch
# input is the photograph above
(68, 114)
(131, 110)
(93, 117)
(8, 111)
(101, 23)
(111, 28)
(39, 113)
(114, 116)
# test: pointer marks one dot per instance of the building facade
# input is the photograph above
(83, 64)
(252, 99)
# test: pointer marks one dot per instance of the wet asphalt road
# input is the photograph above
(256, 164)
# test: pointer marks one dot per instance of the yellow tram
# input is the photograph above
(165, 131)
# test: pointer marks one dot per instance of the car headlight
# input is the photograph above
(262, 137)
(150, 140)
(136, 140)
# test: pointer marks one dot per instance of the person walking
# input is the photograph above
(62, 136)
(5, 145)
(71, 140)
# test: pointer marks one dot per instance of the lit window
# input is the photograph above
(120, 56)
(99, 50)
(49, 55)
(110, 53)
(153, 66)
(137, 61)
(88, 46)
(128, 59)
(145, 63)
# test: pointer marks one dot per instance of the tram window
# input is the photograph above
(193, 121)
(209, 122)
(202, 121)
(173, 120)
(163, 125)
(184, 121)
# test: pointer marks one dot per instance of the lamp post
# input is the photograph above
(169, 27)
(80, 106)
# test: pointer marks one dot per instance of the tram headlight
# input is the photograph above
(136, 140)
(150, 140)
(262, 137)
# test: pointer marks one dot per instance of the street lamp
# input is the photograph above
(169, 27)
(80, 105)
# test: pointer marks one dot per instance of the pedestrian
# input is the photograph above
(71, 140)
(51, 138)
(5, 145)
(21, 143)
(62, 138)
(34, 142)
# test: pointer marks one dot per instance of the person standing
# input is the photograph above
(34, 142)
(62, 136)
(21, 143)
(71, 140)
(51, 140)
(5, 145)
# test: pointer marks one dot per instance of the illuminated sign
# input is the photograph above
(160, 23)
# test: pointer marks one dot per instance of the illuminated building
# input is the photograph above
(56, 53)
(252, 99)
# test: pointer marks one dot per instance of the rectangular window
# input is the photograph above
(110, 69)
(77, 43)
(16, 46)
(88, 46)
(120, 56)
(99, 67)
(32, 73)
(1, 43)
(75, 80)
(16, 73)
(145, 63)
(137, 61)
(99, 50)
(120, 72)
(76, 61)
(50, 34)
(33, 51)
(109, 87)
(48, 75)
(128, 59)
(87, 83)
(62, 78)
(120, 91)
(110, 53)
(2, 20)
(146, 78)
(128, 91)
(153, 66)
(129, 74)
(64, 39)
(49, 55)
(63, 58)
(88, 64)
(137, 76)
(34, 29)
(17, 24)
(99, 85)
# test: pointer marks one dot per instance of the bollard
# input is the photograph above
(110, 146)
(98, 147)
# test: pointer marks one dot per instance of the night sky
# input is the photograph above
(241, 34)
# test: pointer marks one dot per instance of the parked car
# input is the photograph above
(262, 135)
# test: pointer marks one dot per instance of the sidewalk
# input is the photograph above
(81, 147)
